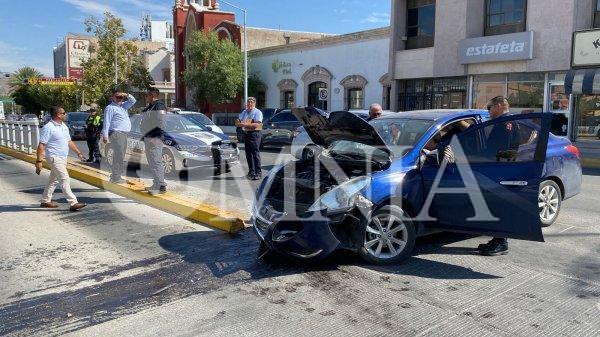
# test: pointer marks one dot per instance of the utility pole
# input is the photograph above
(116, 65)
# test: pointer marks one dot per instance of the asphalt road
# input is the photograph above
(119, 268)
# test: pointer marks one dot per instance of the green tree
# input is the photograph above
(23, 94)
(99, 71)
(214, 69)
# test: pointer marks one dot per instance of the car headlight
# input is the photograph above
(342, 196)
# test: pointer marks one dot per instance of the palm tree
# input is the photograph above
(20, 75)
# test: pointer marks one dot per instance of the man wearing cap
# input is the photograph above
(93, 126)
(153, 130)
(250, 120)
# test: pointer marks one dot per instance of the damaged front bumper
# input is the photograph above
(313, 236)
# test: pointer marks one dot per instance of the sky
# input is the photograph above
(30, 29)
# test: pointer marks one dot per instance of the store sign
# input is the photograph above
(508, 47)
(78, 51)
(51, 81)
(586, 48)
(284, 67)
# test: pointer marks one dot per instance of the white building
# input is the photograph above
(352, 67)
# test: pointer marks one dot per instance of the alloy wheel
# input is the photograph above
(386, 236)
(548, 203)
(168, 163)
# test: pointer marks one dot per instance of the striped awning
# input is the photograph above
(582, 81)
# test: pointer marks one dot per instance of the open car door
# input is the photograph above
(492, 187)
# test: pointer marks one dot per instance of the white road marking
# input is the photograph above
(566, 229)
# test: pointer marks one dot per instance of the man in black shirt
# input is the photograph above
(153, 130)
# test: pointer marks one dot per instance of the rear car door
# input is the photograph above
(500, 163)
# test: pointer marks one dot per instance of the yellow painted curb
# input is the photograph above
(590, 162)
(176, 204)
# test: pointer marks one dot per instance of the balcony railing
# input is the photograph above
(20, 135)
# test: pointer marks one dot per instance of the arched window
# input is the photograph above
(354, 92)
(315, 78)
(287, 93)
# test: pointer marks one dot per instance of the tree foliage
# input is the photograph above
(37, 97)
(99, 70)
(214, 69)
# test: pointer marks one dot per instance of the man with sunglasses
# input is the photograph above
(55, 142)
(115, 129)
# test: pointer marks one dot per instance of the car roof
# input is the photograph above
(435, 114)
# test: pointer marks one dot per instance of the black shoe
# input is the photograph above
(256, 177)
(90, 160)
(494, 248)
(250, 175)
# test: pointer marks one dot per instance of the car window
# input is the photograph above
(283, 117)
(202, 119)
(178, 124)
(512, 141)
(401, 134)
(77, 116)
(447, 131)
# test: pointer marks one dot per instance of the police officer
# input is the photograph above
(153, 127)
(250, 120)
(93, 126)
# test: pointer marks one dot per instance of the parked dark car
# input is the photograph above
(369, 191)
(268, 113)
(281, 129)
(76, 123)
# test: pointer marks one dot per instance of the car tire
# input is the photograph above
(549, 202)
(169, 163)
(310, 152)
(375, 248)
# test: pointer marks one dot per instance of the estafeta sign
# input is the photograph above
(586, 48)
(507, 47)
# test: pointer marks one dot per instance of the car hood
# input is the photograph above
(325, 128)
(201, 138)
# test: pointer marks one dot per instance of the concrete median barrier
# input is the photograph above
(187, 208)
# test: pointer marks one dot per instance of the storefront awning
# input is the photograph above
(583, 81)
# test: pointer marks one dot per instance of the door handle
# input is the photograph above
(514, 183)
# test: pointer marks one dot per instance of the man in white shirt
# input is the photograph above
(55, 142)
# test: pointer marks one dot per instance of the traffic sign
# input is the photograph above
(323, 94)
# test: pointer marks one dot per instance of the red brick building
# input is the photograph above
(205, 15)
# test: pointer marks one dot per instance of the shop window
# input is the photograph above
(443, 93)
(166, 75)
(356, 99)
(597, 14)
(505, 16)
(313, 95)
(588, 117)
(524, 91)
(420, 23)
(287, 99)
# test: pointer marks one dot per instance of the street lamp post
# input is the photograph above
(245, 49)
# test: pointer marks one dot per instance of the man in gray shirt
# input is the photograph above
(115, 130)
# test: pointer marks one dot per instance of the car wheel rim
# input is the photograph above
(548, 201)
(168, 163)
(386, 236)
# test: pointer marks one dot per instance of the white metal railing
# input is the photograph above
(20, 135)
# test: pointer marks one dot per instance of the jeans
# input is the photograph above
(118, 142)
(58, 176)
(153, 148)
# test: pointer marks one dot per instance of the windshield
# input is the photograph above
(401, 134)
(350, 150)
(179, 124)
(77, 116)
(200, 118)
